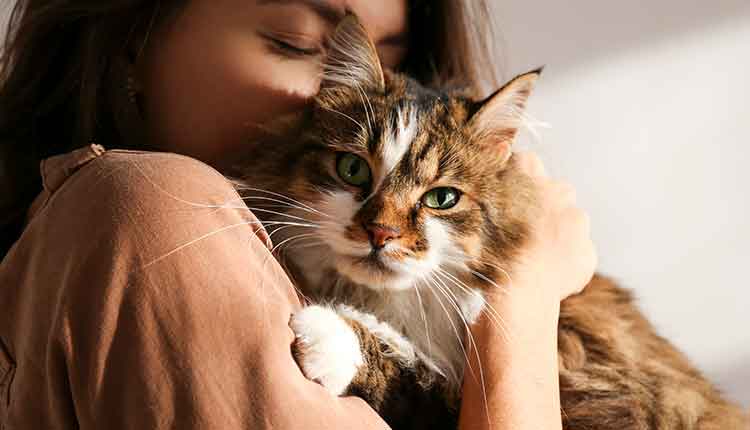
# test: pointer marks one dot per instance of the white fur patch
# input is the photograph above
(428, 322)
(342, 207)
(328, 349)
(472, 306)
(397, 141)
(439, 241)
(325, 243)
(400, 347)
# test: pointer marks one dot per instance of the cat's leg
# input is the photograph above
(335, 345)
(400, 383)
(352, 353)
(326, 347)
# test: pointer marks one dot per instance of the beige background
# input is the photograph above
(648, 106)
(647, 101)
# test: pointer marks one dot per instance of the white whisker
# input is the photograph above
(424, 317)
(243, 187)
(283, 204)
(487, 307)
(432, 282)
(472, 345)
(198, 239)
(362, 127)
(278, 248)
(453, 301)
(272, 212)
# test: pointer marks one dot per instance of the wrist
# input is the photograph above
(519, 324)
(517, 350)
(527, 298)
(520, 330)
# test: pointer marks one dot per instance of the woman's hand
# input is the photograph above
(516, 343)
(560, 257)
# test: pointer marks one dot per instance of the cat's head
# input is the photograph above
(400, 182)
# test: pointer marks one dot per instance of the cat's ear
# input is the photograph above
(499, 116)
(351, 59)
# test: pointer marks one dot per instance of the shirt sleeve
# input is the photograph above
(174, 314)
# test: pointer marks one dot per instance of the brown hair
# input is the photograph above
(58, 54)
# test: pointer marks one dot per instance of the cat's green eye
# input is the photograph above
(353, 170)
(441, 198)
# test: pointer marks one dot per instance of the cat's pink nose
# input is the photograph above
(380, 234)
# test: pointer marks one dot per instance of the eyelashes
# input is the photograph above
(297, 48)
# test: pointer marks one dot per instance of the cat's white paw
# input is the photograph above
(326, 348)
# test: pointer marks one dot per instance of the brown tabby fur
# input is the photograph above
(615, 371)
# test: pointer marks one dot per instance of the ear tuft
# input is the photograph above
(352, 59)
(499, 116)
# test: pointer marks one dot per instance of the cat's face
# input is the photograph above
(403, 184)
(403, 195)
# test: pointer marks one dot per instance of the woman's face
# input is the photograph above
(224, 66)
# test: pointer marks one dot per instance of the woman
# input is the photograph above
(129, 300)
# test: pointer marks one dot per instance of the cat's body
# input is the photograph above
(399, 208)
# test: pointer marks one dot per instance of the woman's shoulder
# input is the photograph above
(149, 202)
(137, 180)
(147, 176)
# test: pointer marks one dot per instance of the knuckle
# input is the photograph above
(566, 191)
(583, 220)
(530, 163)
(573, 215)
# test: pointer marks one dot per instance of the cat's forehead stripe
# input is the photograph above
(398, 137)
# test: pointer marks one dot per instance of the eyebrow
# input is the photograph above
(323, 8)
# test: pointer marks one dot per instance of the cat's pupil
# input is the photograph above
(442, 196)
(354, 168)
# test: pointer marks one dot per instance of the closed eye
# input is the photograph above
(292, 49)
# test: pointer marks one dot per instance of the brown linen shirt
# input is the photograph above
(141, 295)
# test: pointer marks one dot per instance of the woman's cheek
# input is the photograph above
(279, 84)
(206, 96)
(295, 80)
(266, 88)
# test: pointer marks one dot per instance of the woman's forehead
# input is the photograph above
(385, 20)
(387, 23)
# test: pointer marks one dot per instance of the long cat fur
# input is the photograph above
(409, 322)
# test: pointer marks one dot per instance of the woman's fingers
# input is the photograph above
(561, 251)
(562, 194)
(530, 164)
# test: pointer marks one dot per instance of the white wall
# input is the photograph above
(649, 107)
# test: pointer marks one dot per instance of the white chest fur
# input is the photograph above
(434, 319)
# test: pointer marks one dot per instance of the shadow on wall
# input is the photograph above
(577, 31)
(733, 379)
(647, 102)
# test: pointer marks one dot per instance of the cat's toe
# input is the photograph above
(326, 348)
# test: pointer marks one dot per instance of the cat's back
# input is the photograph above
(617, 372)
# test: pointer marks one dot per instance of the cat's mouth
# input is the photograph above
(375, 270)
(375, 260)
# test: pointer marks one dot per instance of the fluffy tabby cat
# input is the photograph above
(394, 207)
